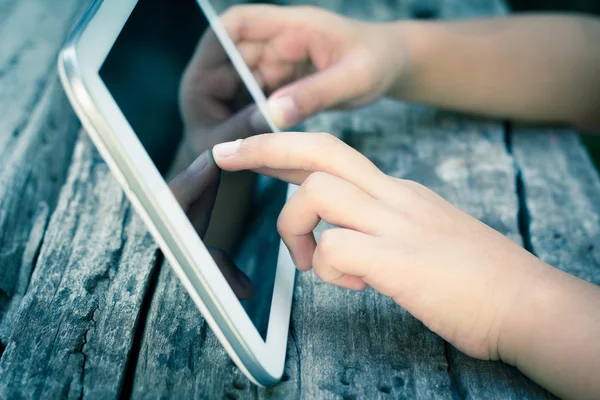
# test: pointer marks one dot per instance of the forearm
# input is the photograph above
(532, 68)
(553, 334)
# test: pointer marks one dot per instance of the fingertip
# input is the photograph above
(350, 282)
(302, 264)
(301, 249)
(224, 151)
(355, 283)
(283, 111)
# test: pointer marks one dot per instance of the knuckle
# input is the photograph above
(413, 187)
(413, 184)
(324, 258)
(236, 20)
(405, 186)
(320, 273)
(363, 74)
(235, 11)
(328, 138)
(323, 271)
(282, 224)
(328, 245)
(231, 15)
(315, 183)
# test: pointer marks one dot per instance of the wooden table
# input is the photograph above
(87, 308)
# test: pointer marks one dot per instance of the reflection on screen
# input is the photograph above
(181, 95)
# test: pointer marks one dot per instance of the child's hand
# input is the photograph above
(310, 59)
(463, 280)
(449, 270)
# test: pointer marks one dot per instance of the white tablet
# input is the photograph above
(155, 83)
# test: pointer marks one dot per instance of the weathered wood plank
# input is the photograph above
(31, 37)
(561, 200)
(6, 7)
(74, 330)
(29, 185)
(37, 134)
(180, 357)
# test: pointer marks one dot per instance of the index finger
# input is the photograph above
(299, 151)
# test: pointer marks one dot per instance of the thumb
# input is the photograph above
(323, 90)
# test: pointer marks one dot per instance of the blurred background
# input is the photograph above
(589, 6)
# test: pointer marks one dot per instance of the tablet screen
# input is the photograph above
(179, 92)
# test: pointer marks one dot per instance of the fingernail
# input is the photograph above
(283, 111)
(243, 279)
(226, 150)
(258, 122)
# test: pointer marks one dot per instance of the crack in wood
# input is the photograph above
(299, 362)
(38, 250)
(523, 215)
(85, 357)
(140, 328)
(458, 391)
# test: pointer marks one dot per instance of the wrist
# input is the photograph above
(536, 295)
(415, 42)
(551, 333)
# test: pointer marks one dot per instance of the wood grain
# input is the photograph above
(560, 189)
(74, 329)
(37, 134)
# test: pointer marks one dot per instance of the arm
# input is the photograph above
(552, 336)
(532, 68)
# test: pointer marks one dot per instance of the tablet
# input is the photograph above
(157, 83)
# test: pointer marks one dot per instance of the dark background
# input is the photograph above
(584, 6)
(588, 6)
(144, 68)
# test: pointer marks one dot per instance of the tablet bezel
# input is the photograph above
(79, 65)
